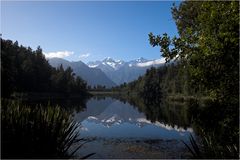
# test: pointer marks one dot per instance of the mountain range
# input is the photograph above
(119, 71)
(93, 76)
(108, 72)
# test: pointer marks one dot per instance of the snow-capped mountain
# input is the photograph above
(117, 64)
(112, 63)
(137, 61)
(107, 64)
(109, 72)
(93, 76)
(120, 71)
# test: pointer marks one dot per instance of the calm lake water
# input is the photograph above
(120, 129)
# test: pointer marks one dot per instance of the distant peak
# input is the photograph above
(79, 61)
(141, 58)
(108, 59)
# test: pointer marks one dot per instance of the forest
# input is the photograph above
(25, 70)
(165, 81)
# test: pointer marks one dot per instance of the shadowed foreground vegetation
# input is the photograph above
(38, 132)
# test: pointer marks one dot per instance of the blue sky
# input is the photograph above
(88, 31)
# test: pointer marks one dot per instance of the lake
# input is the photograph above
(120, 128)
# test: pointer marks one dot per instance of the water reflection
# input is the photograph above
(112, 118)
(169, 113)
(128, 127)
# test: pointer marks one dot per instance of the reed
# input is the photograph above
(209, 148)
(38, 132)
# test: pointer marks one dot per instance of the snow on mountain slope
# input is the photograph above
(117, 64)
(120, 71)
(93, 76)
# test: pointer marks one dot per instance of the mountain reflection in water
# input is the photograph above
(113, 120)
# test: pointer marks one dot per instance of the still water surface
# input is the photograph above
(124, 130)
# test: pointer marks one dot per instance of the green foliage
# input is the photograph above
(162, 82)
(64, 81)
(151, 88)
(208, 45)
(25, 70)
(37, 132)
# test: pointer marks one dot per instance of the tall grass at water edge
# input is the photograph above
(38, 132)
(207, 147)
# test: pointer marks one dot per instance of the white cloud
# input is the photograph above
(84, 55)
(150, 63)
(58, 54)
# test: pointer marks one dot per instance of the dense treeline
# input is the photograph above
(26, 70)
(168, 80)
